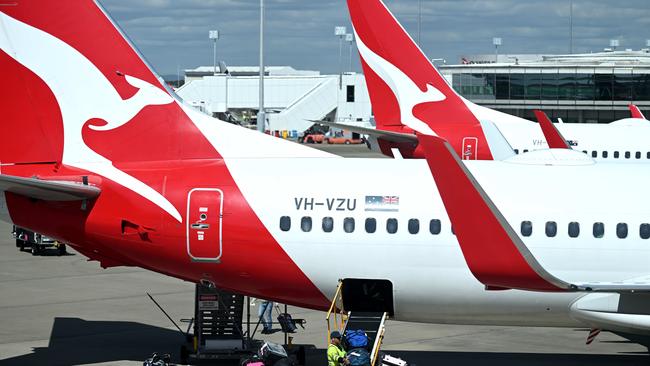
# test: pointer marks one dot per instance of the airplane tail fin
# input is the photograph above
(404, 86)
(76, 80)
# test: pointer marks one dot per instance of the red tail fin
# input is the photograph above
(405, 88)
(636, 112)
(554, 138)
(81, 92)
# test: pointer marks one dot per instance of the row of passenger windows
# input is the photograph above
(605, 154)
(370, 225)
(413, 226)
(573, 229)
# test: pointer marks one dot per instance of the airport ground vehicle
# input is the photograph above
(314, 138)
(36, 242)
(346, 138)
(138, 178)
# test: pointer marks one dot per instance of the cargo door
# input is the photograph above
(470, 148)
(204, 220)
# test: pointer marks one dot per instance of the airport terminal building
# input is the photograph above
(594, 87)
(580, 88)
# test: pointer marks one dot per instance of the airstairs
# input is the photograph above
(373, 323)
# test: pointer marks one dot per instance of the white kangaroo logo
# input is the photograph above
(83, 93)
(408, 94)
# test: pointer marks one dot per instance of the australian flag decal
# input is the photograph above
(382, 203)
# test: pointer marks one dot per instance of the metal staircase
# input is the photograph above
(218, 319)
(373, 323)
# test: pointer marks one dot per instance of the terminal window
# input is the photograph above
(350, 93)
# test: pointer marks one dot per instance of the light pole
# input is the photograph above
(350, 39)
(261, 116)
(214, 36)
(340, 32)
(496, 41)
(419, 21)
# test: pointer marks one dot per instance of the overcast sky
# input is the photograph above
(174, 33)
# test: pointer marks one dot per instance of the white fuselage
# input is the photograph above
(431, 280)
(624, 140)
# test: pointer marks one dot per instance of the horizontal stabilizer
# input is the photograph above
(382, 134)
(46, 189)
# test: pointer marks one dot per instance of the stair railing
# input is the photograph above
(336, 313)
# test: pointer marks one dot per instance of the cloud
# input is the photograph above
(300, 33)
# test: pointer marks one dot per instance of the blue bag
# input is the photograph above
(356, 338)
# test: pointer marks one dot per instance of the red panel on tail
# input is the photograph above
(554, 138)
(636, 112)
(380, 32)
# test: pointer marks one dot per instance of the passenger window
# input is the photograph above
(526, 228)
(525, 150)
(434, 227)
(647, 155)
(305, 224)
(604, 154)
(616, 154)
(414, 226)
(551, 229)
(644, 231)
(584, 151)
(516, 151)
(621, 230)
(348, 224)
(594, 154)
(627, 155)
(391, 226)
(328, 224)
(599, 230)
(637, 155)
(285, 223)
(371, 225)
(574, 229)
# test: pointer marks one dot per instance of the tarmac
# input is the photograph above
(68, 311)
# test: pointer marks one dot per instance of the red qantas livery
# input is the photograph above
(114, 164)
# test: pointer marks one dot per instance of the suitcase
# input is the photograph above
(387, 360)
(286, 322)
(272, 353)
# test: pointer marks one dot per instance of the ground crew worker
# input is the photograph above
(335, 352)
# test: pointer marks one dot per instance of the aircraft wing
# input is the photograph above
(383, 134)
(46, 189)
(493, 251)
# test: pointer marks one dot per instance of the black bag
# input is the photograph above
(286, 321)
